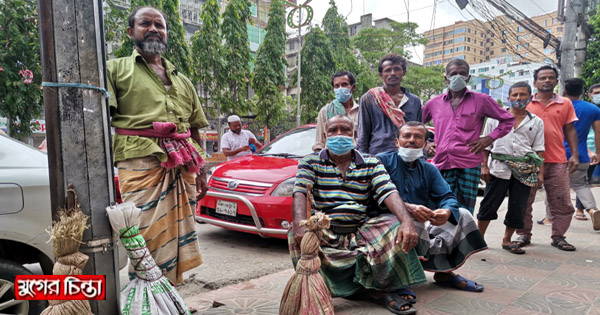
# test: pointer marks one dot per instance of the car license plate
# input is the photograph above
(226, 208)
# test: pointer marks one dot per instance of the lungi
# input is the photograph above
(167, 198)
(464, 183)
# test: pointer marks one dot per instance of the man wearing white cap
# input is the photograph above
(237, 142)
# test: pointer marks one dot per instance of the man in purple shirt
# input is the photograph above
(458, 118)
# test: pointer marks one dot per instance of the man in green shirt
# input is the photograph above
(156, 115)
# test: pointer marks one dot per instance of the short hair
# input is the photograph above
(131, 18)
(413, 124)
(394, 59)
(544, 67)
(574, 87)
(594, 86)
(520, 84)
(342, 73)
(458, 62)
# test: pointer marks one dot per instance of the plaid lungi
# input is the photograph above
(464, 183)
(367, 258)
(167, 198)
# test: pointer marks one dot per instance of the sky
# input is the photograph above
(419, 11)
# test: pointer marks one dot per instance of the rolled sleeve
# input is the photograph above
(305, 175)
(112, 100)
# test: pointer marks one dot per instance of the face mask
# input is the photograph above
(340, 144)
(518, 104)
(596, 99)
(457, 82)
(342, 94)
(410, 155)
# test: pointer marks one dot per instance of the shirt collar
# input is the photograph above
(555, 98)
(356, 156)
(169, 67)
(446, 96)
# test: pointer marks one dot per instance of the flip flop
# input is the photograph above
(581, 217)
(595, 215)
(409, 292)
(454, 282)
(395, 307)
(514, 248)
(522, 241)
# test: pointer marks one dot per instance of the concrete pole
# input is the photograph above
(582, 39)
(573, 10)
(298, 90)
(78, 134)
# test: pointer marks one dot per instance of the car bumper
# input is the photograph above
(262, 215)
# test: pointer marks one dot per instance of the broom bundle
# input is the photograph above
(306, 292)
(66, 234)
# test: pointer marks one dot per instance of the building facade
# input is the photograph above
(477, 41)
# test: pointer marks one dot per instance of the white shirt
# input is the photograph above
(527, 138)
(234, 141)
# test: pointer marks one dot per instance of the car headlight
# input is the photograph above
(285, 189)
(210, 173)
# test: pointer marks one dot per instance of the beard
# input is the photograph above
(152, 46)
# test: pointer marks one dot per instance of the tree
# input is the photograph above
(336, 30)
(237, 55)
(424, 82)
(317, 69)
(375, 43)
(178, 51)
(269, 70)
(115, 25)
(20, 94)
(590, 72)
(209, 61)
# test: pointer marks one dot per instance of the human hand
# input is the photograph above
(201, 186)
(299, 232)
(431, 148)
(407, 235)
(485, 173)
(480, 145)
(440, 217)
(540, 179)
(573, 164)
(594, 159)
(420, 213)
(245, 148)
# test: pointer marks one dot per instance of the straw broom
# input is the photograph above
(66, 234)
(306, 292)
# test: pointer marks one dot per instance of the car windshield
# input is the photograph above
(296, 143)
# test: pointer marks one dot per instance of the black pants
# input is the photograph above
(494, 195)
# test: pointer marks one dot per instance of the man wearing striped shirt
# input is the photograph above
(358, 251)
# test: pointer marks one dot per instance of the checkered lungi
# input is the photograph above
(464, 183)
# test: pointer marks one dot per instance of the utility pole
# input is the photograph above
(298, 115)
(583, 35)
(573, 15)
(79, 140)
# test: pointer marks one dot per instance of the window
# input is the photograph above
(501, 71)
(492, 44)
(459, 39)
(481, 52)
(480, 70)
(468, 30)
(460, 30)
(460, 57)
(545, 22)
(526, 45)
(487, 57)
(487, 49)
(448, 51)
(481, 44)
(517, 56)
(461, 48)
(468, 48)
(526, 54)
(292, 45)
(472, 71)
(474, 50)
(528, 36)
(512, 75)
(519, 37)
(519, 29)
(469, 39)
(474, 59)
(547, 51)
(548, 30)
(547, 60)
(503, 50)
(480, 60)
(428, 64)
(437, 62)
(493, 67)
(518, 47)
(504, 32)
(487, 40)
(491, 52)
(553, 21)
(475, 41)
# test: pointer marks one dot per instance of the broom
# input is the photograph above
(306, 292)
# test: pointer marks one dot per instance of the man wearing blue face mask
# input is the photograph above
(515, 166)
(450, 234)
(343, 84)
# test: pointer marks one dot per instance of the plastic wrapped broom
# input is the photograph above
(306, 292)
(150, 292)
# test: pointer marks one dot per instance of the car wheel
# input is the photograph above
(8, 305)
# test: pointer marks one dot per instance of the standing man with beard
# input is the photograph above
(156, 115)
(237, 142)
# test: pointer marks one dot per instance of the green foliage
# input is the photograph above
(237, 56)
(317, 68)
(336, 30)
(424, 82)
(178, 51)
(269, 70)
(591, 66)
(375, 43)
(20, 102)
(209, 62)
(115, 24)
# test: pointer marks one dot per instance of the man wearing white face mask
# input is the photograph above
(515, 166)
(458, 118)
(343, 84)
(450, 233)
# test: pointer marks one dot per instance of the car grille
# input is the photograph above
(239, 218)
(241, 186)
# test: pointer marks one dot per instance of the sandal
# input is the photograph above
(561, 243)
(595, 215)
(454, 282)
(409, 295)
(394, 304)
(580, 216)
(514, 248)
(522, 241)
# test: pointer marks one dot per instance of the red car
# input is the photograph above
(254, 193)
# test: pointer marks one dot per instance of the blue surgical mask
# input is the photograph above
(457, 82)
(518, 104)
(596, 99)
(340, 144)
(342, 94)
(410, 155)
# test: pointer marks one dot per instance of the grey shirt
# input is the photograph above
(376, 132)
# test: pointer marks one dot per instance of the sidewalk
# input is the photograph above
(544, 280)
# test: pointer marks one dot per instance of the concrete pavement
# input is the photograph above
(543, 281)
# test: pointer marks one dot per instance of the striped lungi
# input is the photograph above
(368, 258)
(450, 245)
(167, 198)
(464, 183)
